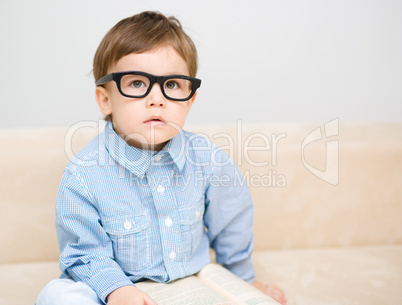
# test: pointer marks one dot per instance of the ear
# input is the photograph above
(103, 100)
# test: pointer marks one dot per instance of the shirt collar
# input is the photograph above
(176, 148)
(138, 160)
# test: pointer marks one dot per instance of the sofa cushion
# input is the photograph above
(331, 276)
(335, 276)
(20, 284)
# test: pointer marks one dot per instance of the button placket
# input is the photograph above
(163, 193)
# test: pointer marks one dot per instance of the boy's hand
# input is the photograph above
(129, 295)
(272, 290)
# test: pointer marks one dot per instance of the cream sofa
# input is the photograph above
(328, 212)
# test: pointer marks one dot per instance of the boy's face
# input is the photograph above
(148, 122)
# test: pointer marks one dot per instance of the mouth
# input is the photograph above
(155, 120)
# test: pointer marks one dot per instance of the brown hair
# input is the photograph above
(141, 33)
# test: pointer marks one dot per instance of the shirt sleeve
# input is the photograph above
(86, 249)
(229, 217)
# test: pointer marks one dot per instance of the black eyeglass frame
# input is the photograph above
(117, 76)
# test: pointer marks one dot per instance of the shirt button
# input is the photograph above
(172, 255)
(127, 225)
(160, 189)
(168, 222)
(197, 214)
(157, 158)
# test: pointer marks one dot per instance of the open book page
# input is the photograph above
(187, 291)
(233, 287)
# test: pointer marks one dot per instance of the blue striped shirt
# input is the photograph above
(124, 214)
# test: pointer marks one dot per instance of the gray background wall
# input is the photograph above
(260, 61)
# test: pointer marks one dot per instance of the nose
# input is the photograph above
(155, 97)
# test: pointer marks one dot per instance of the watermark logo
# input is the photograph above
(331, 172)
(256, 149)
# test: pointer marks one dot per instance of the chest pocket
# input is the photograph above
(130, 237)
(192, 227)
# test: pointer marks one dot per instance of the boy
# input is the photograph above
(139, 202)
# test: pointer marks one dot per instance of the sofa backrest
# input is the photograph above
(329, 185)
(31, 167)
(344, 189)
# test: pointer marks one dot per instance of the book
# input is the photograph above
(213, 285)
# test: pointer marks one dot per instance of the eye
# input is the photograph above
(171, 85)
(137, 84)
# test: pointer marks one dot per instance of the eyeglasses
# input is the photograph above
(136, 84)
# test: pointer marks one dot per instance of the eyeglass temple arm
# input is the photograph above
(105, 79)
